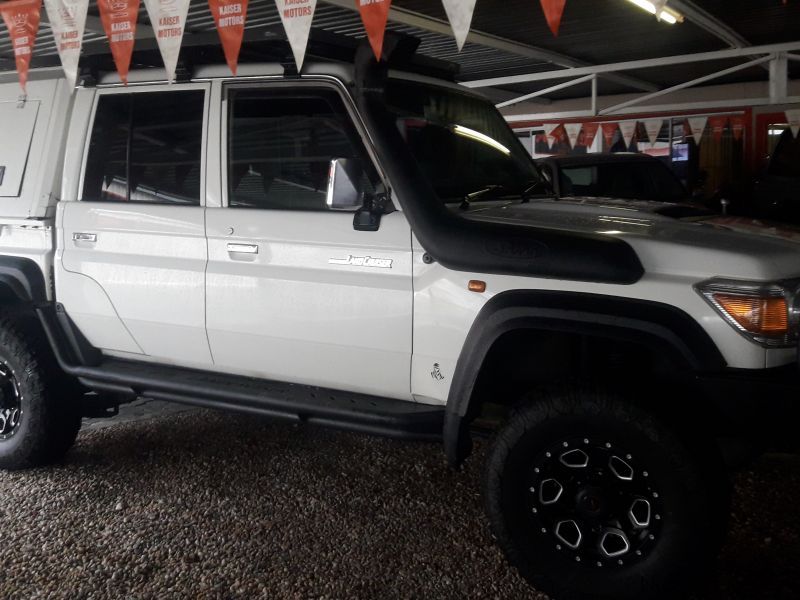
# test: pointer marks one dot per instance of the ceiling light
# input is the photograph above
(667, 14)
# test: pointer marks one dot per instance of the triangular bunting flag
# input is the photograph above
(659, 6)
(230, 16)
(589, 133)
(459, 13)
(653, 128)
(68, 21)
(119, 21)
(22, 20)
(553, 12)
(698, 126)
(628, 128)
(297, 16)
(573, 131)
(717, 125)
(793, 116)
(549, 128)
(168, 18)
(375, 14)
(609, 131)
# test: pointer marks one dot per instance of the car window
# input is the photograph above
(785, 160)
(629, 181)
(146, 147)
(281, 144)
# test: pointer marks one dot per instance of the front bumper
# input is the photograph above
(759, 404)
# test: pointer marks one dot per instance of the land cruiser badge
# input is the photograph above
(362, 261)
(437, 372)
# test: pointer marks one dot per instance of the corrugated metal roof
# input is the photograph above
(593, 31)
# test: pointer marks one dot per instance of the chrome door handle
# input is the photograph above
(243, 248)
(84, 237)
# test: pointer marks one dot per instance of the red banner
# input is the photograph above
(609, 130)
(553, 12)
(375, 14)
(737, 126)
(589, 133)
(717, 125)
(229, 16)
(22, 20)
(119, 21)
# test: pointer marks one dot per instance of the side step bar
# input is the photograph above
(286, 401)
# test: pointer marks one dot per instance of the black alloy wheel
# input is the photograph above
(10, 402)
(591, 497)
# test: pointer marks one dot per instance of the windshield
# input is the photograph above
(461, 143)
(626, 180)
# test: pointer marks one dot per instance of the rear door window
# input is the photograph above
(146, 147)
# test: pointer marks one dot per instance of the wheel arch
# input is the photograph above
(21, 281)
(667, 332)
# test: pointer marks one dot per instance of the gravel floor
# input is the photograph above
(207, 505)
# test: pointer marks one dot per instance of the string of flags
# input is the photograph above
(67, 19)
(584, 134)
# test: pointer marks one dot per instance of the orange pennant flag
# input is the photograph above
(553, 12)
(119, 21)
(375, 14)
(609, 131)
(22, 19)
(589, 133)
(229, 16)
(718, 125)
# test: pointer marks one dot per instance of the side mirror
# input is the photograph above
(344, 185)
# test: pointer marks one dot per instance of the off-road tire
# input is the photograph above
(693, 507)
(50, 412)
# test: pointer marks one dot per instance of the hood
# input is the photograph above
(701, 247)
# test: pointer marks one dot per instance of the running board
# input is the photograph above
(286, 401)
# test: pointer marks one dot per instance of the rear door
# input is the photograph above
(291, 293)
(134, 244)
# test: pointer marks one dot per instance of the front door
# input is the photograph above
(294, 292)
(134, 248)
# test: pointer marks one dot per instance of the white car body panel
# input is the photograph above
(287, 313)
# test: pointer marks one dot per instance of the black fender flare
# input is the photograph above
(23, 280)
(668, 329)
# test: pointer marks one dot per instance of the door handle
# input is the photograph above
(243, 248)
(84, 237)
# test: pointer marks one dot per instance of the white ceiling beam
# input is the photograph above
(426, 23)
(544, 92)
(710, 23)
(674, 109)
(682, 86)
(650, 63)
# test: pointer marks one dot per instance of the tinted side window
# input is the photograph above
(146, 147)
(281, 145)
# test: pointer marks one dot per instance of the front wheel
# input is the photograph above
(590, 497)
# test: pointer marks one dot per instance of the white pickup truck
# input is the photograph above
(371, 249)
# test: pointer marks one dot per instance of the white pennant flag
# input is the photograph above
(68, 20)
(573, 131)
(659, 6)
(628, 128)
(459, 13)
(296, 16)
(793, 116)
(653, 128)
(698, 126)
(168, 19)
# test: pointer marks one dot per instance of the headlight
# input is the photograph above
(766, 313)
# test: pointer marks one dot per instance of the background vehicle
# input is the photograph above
(622, 175)
(777, 190)
(357, 249)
